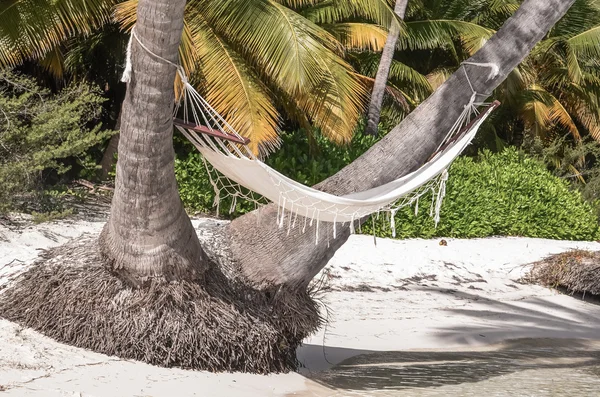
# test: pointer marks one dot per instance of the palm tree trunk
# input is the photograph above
(387, 55)
(108, 157)
(149, 234)
(269, 256)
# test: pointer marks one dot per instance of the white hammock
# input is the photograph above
(227, 152)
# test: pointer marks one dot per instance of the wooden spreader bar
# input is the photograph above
(201, 129)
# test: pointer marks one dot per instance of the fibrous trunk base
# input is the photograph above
(71, 296)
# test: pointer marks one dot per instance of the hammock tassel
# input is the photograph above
(278, 209)
(305, 221)
(290, 221)
(282, 213)
(317, 231)
(374, 235)
(393, 221)
(440, 197)
(432, 206)
(335, 227)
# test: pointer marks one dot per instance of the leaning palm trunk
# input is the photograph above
(149, 233)
(387, 55)
(270, 256)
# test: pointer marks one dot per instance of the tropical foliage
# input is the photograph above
(279, 68)
(254, 60)
(35, 29)
(43, 136)
(502, 194)
(554, 92)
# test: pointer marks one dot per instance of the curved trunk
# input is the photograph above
(270, 256)
(108, 157)
(387, 55)
(148, 233)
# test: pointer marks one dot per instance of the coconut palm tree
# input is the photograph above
(154, 237)
(383, 71)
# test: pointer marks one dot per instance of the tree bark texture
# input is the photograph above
(269, 256)
(149, 233)
(381, 78)
(108, 157)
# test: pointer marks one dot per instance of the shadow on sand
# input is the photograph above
(577, 357)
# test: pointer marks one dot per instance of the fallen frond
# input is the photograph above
(578, 271)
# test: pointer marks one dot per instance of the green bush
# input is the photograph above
(194, 185)
(505, 194)
(43, 136)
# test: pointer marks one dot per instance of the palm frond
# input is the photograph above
(582, 15)
(573, 67)
(404, 76)
(399, 98)
(125, 14)
(586, 44)
(33, 28)
(299, 4)
(297, 57)
(433, 34)
(543, 110)
(560, 116)
(54, 63)
(437, 77)
(359, 36)
(234, 91)
(583, 104)
(337, 104)
(414, 86)
(495, 12)
(379, 12)
(489, 13)
(279, 42)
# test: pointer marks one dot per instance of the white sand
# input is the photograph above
(466, 296)
(397, 295)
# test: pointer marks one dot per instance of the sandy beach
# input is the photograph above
(391, 307)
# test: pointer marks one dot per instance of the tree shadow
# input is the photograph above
(403, 370)
(535, 317)
(538, 335)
